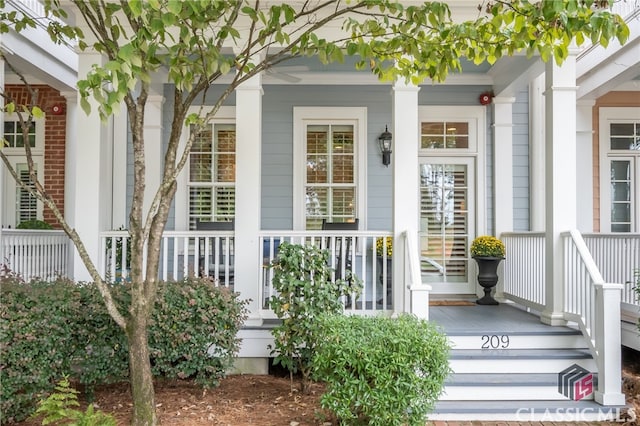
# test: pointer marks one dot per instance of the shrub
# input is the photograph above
(37, 326)
(380, 371)
(34, 224)
(49, 330)
(194, 330)
(302, 279)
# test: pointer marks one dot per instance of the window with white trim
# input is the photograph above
(18, 205)
(620, 169)
(212, 174)
(329, 152)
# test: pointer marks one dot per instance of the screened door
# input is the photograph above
(447, 206)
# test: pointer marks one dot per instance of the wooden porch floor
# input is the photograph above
(503, 318)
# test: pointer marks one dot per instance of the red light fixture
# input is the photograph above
(485, 98)
(57, 109)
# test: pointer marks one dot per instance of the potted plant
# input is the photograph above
(487, 251)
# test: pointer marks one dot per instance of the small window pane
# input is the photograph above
(444, 135)
(622, 129)
(620, 227)
(620, 170)
(621, 212)
(621, 191)
(625, 136)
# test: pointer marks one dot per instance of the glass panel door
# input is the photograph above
(447, 212)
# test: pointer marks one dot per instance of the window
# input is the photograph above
(18, 204)
(620, 169)
(329, 148)
(444, 135)
(14, 136)
(212, 174)
(330, 187)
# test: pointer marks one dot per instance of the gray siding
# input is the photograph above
(521, 162)
(277, 147)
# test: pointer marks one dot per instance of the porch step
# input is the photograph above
(554, 338)
(519, 361)
(505, 387)
(526, 411)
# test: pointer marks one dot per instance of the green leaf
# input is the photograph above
(37, 112)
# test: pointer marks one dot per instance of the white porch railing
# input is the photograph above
(524, 268)
(617, 256)
(182, 254)
(595, 306)
(35, 254)
(354, 250)
(212, 254)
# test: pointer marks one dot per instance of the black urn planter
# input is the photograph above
(487, 277)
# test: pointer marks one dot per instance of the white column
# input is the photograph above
(153, 150)
(2, 167)
(406, 189)
(120, 124)
(70, 164)
(536, 153)
(86, 174)
(503, 164)
(560, 178)
(584, 163)
(248, 181)
(502, 171)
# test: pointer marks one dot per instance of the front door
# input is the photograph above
(447, 213)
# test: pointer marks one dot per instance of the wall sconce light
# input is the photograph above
(384, 141)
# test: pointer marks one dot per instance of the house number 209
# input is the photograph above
(494, 341)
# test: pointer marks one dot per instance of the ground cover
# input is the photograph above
(268, 400)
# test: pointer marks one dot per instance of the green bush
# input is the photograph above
(302, 279)
(34, 224)
(51, 330)
(380, 371)
(37, 339)
(194, 331)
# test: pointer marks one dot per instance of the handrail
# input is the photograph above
(595, 306)
(418, 290)
(415, 276)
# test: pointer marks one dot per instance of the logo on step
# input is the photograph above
(575, 382)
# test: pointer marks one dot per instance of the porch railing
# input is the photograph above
(35, 254)
(354, 250)
(595, 306)
(212, 254)
(524, 268)
(182, 254)
(617, 256)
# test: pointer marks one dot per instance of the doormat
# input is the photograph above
(451, 303)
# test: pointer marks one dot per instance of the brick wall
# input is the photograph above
(54, 141)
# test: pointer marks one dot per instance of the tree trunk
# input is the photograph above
(142, 393)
